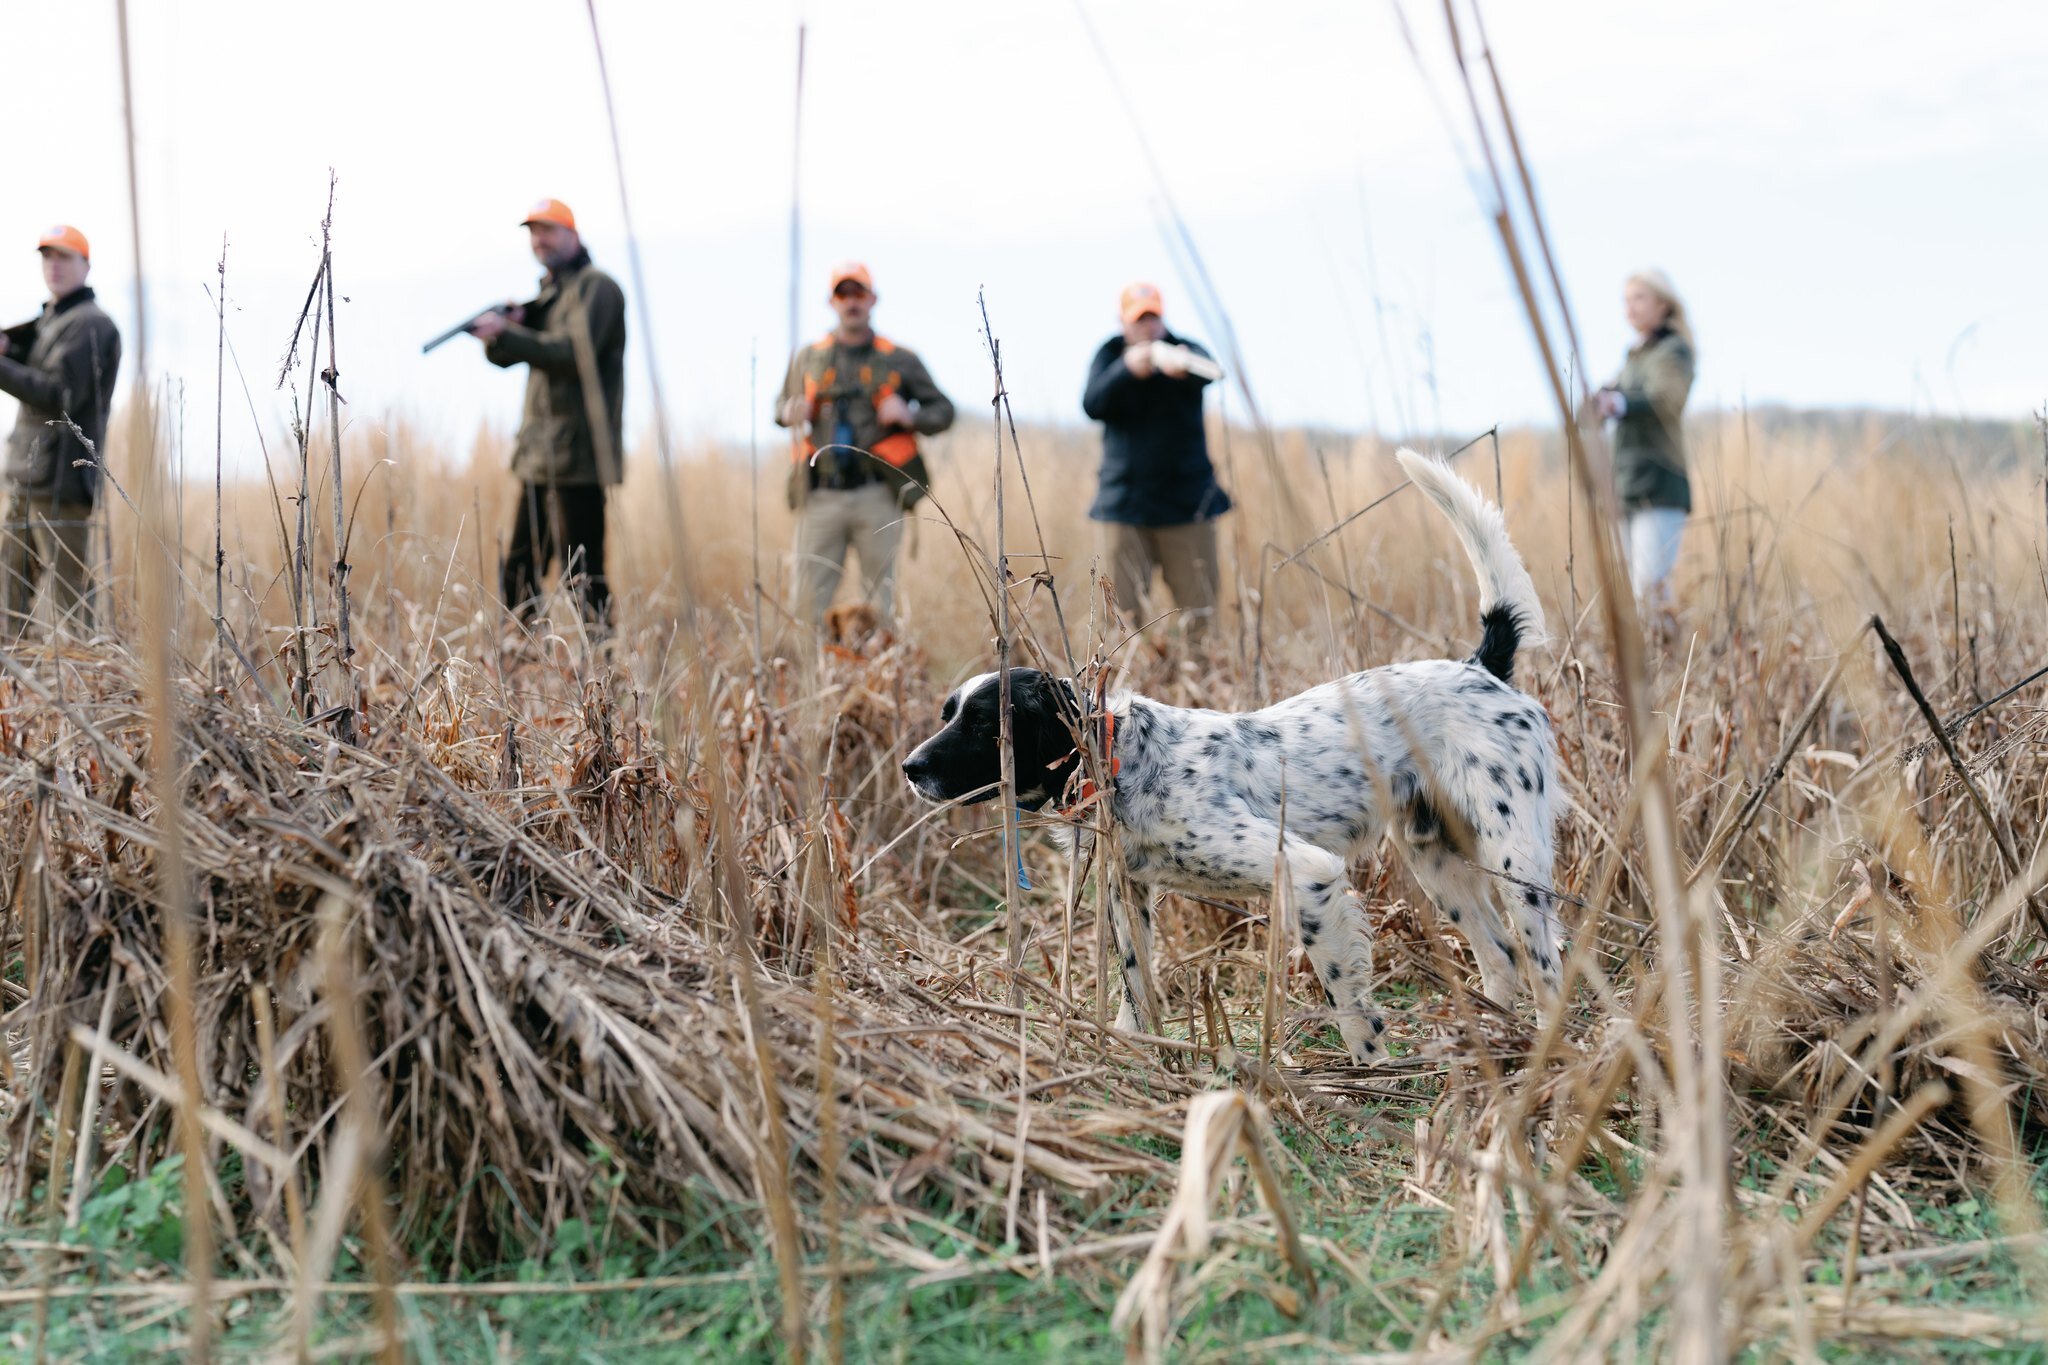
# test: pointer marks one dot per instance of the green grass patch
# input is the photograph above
(722, 1305)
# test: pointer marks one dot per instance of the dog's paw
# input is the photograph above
(1363, 1035)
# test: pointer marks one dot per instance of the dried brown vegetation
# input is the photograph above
(504, 925)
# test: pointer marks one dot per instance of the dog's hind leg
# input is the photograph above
(1466, 897)
(1523, 852)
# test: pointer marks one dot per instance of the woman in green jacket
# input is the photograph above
(1647, 404)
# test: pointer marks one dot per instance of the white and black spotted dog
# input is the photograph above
(1446, 753)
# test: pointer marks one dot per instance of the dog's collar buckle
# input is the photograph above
(1089, 791)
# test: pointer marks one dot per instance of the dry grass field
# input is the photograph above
(613, 1000)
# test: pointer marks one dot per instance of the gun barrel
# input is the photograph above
(459, 328)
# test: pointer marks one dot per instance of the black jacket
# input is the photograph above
(64, 378)
(1155, 454)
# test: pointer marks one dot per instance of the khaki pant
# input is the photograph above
(40, 534)
(868, 520)
(1186, 555)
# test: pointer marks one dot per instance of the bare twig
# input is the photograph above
(2000, 836)
(345, 658)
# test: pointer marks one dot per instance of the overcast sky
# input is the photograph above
(1851, 195)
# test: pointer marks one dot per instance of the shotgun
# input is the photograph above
(1199, 366)
(459, 328)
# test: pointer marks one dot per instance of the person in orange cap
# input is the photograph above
(60, 367)
(858, 402)
(572, 339)
(1158, 499)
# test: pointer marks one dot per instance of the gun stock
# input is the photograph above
(1200, 366)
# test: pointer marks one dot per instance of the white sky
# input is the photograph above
(1851, 195)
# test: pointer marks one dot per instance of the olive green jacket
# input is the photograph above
(61, 369)
(580, 309)
(1649, 436)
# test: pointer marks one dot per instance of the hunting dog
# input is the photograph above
(1448, 755)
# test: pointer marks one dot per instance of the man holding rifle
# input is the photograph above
(61, 368)
(572, 339)
(1158, 499)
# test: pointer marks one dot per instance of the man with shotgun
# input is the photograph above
(858, 402)
(60, 367)
(572, 339)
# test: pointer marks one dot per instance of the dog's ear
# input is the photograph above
(1045, 712)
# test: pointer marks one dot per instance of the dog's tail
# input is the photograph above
(1509, 614)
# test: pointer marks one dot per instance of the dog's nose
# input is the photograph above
(916, 766)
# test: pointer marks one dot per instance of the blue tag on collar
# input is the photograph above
(1023, 877)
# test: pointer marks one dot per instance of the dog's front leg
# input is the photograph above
(1133, 932)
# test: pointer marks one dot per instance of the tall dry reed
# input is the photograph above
(532, 846)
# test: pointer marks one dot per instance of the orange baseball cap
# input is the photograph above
(550, 211)
(1138, 300)
(853, 271)
(64, 237)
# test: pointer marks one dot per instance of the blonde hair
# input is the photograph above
(1659, 283)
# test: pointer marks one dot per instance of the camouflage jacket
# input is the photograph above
(844, 444)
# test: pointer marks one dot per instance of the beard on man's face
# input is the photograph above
(557, 250)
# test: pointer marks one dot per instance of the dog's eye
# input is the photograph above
(946, 711)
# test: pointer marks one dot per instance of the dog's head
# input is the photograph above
(964, 759)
